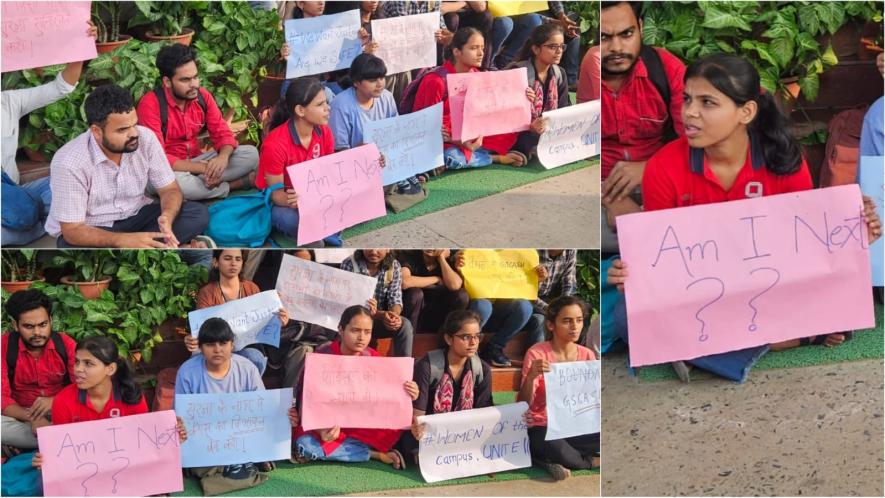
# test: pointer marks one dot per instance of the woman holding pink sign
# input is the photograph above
(736, 145)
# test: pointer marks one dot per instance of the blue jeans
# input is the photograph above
(503, 317)
(732, 365)
(535, 328)
(256, 357)
(455, 158)
(285, 219)
(350, 450)
(517, 29)
(37, 189)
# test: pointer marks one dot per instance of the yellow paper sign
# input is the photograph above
(500, 273)
(499, 9)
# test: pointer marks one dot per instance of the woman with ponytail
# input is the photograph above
(736, 146)
(104, 387)
(299, 132)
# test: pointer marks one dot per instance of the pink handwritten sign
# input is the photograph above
(37, 34)
(722, 277)
(493, 103)
(359, 392)
(337, 191)
(137, 455)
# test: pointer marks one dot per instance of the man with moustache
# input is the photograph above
(37, 363)
(178, 111)
(98, 183)
(636, 118)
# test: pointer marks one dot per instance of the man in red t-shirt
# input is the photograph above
(190, 110)
(637, 118)
(40, 369)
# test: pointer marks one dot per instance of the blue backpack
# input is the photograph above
(20, 478)
(242, 221)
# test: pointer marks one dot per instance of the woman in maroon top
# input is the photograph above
(736, 145)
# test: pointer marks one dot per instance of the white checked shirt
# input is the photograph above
(88, 187)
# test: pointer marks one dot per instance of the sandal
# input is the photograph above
(265, 466)
(399, 464)
(521, 160)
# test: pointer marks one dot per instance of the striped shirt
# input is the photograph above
(89, 188)
(389, 289)
(561, 277)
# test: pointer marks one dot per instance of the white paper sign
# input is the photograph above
(474, 442)
(572, 134)
(330, 255)
(411, 143)
(319, 294)
(321, 44)
(253, 319)
(406, 42)
(572, 399)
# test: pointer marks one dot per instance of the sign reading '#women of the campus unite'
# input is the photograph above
(488, 103)
(411, 143)
(406, 42)
(112, 457)
(337, 191)
(572, 134)
(356, 391)
(37, 34)
(253, 319)
(319, 294)
(233, 428)
(721, 277)
(474, 442)
(501, 273)
(573, 402)
(321, 44)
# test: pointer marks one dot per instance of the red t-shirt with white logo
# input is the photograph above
(73, 405)
(282, 148)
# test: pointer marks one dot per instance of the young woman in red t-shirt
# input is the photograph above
(104, 388)
(464, 55)
(727, 116)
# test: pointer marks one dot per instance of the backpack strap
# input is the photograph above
(437, 364)
(62, 353)
(476, 366)
(160, 92)
(652, 60)
(12, 357)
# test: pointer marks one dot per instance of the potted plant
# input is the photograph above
(168, 20)
(92, 270)
(19, 269)
(109, 37)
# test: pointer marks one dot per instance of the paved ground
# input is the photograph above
(559, 212)
(812, 431)
(576, 486)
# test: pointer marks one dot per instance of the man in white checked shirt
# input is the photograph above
(98, 182)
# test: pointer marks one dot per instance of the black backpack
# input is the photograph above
(652, 60)
(12, 355)
(164, 109)
(438, 365)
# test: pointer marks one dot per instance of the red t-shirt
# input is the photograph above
(283, 148)
(671, 181)
(73, 405)
(35, 377)
(633, 119)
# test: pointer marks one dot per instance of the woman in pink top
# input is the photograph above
(565, 318)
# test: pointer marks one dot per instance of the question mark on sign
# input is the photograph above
(114, 476)
(349, 195)
(326, 211)
(777, 277)
(83, 483)
(703, 337)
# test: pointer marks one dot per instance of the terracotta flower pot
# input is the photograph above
(90, 290)
(111, 46)
(184, 38)
(17, 286)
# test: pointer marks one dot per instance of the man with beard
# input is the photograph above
(638, 117)
(36, 364)
(178, 111)
(98, 182)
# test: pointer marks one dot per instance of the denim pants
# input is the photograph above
(256, 357)
(285, 219)
(350, 450)
(502, 317)
(37, 189)
(455, 158)
(509, 35)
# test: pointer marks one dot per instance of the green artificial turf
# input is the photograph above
(458, 187)
(865, 345)
(329, 478)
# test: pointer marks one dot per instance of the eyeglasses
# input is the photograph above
(555, 48)
(468, 338)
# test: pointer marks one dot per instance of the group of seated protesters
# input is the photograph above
(50, 379)
(132, 178)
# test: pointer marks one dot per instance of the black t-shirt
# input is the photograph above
(482, 392)
(414, 261)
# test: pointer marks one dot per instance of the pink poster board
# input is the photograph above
(37, 34)
(337, 191)
(721, 277)
(356, 391)
(494, 102)
(112, 457)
